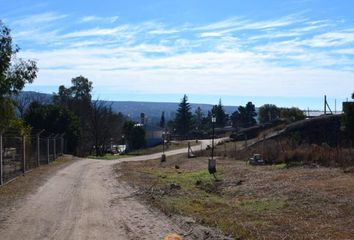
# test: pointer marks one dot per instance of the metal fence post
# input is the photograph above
(54, 147)
(38, 148)
(23, 153)
(1, 169)
(62, 143)
(48, 150)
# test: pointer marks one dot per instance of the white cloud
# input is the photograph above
(347, 51)
(239, 24)
(331, 39)
(236, 56)
(36, 20)
(163, 31)
(97, 19)
(228, 23)
(95, 32)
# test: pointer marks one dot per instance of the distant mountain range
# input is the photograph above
(132, 109)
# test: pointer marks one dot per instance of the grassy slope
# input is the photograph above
(269, 202)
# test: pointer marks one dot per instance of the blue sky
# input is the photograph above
(289, 53)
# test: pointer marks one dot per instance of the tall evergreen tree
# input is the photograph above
(219, 112)
(198, 118)
(183, 120)
(162, 120)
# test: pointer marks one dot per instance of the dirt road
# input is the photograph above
(85, 201)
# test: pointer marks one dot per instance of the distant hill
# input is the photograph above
(30, 96)
(133, 109)
(153, 110)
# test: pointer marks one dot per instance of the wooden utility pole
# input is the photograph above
(335, 106)
(326, 105)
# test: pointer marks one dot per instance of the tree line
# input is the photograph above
(188, 123)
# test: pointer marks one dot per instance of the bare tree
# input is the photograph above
(105, 126)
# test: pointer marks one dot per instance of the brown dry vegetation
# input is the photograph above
(250, 202)
(288, 151)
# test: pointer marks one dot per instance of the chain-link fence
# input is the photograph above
(21, 153)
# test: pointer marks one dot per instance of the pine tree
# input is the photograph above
(219, 112)
(162, 120)
(183, 120)
(198, 118)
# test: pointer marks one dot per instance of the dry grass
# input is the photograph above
(248, 202)
(286, 151)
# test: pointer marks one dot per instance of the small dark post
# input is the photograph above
(163, 156)
(212, 139)
(163, 142)
(264, 137)
(23, 154)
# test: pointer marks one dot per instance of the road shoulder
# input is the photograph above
(15, 192)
